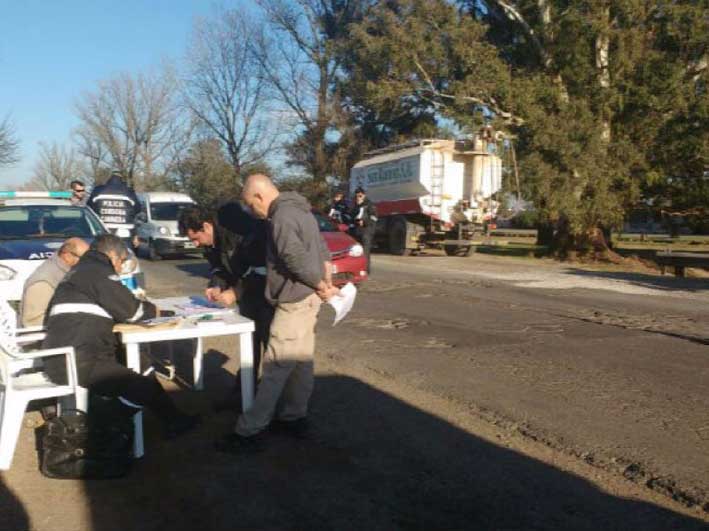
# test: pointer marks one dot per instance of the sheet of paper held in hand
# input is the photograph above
(343, 303)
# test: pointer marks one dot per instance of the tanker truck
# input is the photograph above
(431, 192)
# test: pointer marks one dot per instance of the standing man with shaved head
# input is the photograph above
(39, 287)
(297, 281)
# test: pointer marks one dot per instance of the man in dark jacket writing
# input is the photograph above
(235, 244)
(85, 306)
(297, 281)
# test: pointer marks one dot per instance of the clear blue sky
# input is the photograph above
(53, 50)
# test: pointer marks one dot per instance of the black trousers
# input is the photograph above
(365, 236)
(110, 378)
(253, 304)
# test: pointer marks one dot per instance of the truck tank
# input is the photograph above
(430, 191)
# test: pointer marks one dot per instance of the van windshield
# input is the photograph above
(167, 211)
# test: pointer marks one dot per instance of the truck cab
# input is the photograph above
(156, 225)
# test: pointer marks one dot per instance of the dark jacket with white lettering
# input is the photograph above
(85, 306)
(115, 203)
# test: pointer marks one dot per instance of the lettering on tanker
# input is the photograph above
(395, 172)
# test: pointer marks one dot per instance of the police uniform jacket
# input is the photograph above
(115, 203)
(85, 306)
(239, 247)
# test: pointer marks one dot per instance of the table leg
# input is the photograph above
(133, 362)
(247, 369)
(198, 375)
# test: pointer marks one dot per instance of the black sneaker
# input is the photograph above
(233, 443)
(299, 428)
(182, 425)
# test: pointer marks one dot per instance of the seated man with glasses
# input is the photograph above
(86, 305)
(39, 287)
(78, 193)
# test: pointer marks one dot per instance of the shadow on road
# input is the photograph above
(12, 512)
(371, 462)
(667, 283)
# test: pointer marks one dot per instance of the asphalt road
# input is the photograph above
(478, 393)
(608, 367)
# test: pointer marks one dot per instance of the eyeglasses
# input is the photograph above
(77, 191)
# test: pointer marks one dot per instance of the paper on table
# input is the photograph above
(343, 303)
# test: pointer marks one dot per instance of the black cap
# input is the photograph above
(360, 190)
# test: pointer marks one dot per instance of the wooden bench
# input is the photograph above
(680, 261)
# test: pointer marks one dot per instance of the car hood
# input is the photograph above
(30, 249)
(338, 241)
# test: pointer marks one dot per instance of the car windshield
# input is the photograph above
(325, 224)
(47, 221)
(167, 211)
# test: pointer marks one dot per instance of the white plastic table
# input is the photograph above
(230, 323)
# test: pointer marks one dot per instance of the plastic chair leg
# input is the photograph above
(80, 400)
(12, 412)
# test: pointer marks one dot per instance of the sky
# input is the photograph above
(52, 51)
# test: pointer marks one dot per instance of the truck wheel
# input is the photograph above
(153, 254)
(459, 250)
(397, 237)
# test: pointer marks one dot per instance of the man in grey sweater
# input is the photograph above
(297, 282)
(39, 287)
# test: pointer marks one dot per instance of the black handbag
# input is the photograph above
(80, 446)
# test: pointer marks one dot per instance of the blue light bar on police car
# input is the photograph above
(35, 195)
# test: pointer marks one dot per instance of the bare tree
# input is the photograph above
(133, 124)
(9, 145)
(56, 167)
(300, 61)
(225, 87)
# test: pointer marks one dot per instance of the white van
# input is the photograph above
(156, 224)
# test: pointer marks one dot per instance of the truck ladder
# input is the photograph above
(437, 170)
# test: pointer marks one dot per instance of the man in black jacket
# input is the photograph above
(297, 281)
(117, 205)
(364, 222)
(339, 210)
(235, 244)
(82, 313)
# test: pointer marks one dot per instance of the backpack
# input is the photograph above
(75, 445)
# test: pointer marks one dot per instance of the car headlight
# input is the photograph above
(7, 273)
(356, 250)
(164, 231)
(129, 264)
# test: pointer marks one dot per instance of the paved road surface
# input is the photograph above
(610, 367)
(460, 394)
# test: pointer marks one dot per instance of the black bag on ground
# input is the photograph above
(80, 446)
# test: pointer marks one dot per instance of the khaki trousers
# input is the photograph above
(286, 369)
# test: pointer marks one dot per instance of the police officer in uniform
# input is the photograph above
(86, 305)
(117, 205)
(235, 244)
(364, 222)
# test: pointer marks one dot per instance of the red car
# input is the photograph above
(348, 261)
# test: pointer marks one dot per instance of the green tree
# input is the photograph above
(588, 89)
(207, 175)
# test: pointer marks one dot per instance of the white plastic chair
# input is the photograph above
(22, 380)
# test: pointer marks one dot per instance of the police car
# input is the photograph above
(33, 225)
